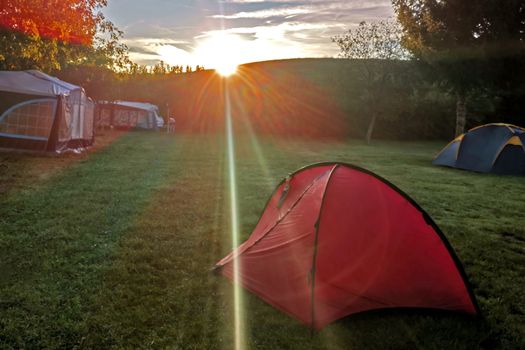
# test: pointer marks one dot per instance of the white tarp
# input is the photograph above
(139, 105)
(33, 82)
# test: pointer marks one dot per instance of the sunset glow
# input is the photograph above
(184, 33)
(222, 52)
(226, 69)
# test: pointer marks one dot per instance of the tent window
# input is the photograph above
(104, 117)
(143, 119)
(121, 117)
(30, 119)
(150, 120)
(134, 118)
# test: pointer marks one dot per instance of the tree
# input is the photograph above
(375, 46)
(52, 34)
(469, 44)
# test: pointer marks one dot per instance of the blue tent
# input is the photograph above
(491, 148)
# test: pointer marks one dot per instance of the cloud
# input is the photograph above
(173, 30)
(152, 50)
(175, 56)
(284, 12)
(273, 31)
(283, 40)
(155, 41)
(272, 2)
(144, 58)
(337, 9)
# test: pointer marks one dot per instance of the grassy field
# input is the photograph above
(113, 249)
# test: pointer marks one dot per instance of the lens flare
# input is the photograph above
(234, 218)
(244, 112)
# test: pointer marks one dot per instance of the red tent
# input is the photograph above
(336, 239)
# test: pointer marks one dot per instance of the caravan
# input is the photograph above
(128, 114)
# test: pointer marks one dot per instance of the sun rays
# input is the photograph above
(222, 52)
(234, 217)
(242, 105)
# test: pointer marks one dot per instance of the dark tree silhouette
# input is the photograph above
(469, 44)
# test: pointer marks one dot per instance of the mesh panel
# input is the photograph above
(104, 117)
(34, 119)
(143, 119)
(121, 118)
(133, 116)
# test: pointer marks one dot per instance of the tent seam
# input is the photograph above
(425, 215)
(314, 255)
(282, 218)
(501, 149)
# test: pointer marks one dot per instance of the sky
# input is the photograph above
(209, 32)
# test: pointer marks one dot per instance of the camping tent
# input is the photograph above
(128, 114)
(335, 240)
(40, 112)
(490, 148)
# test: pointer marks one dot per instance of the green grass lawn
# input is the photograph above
(113, 250)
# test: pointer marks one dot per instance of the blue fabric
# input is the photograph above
(447, 156)
(511, 161)
(480, 147)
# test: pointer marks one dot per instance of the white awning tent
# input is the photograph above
(41, 112)
(33, 82)
(129, 114)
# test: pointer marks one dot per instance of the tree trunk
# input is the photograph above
(371, 128)
(461, 112)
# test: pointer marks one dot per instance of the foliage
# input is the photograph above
(471, 45)
(52, 34)
(108, 50)
(161, 68)
(114, 250)
(442, 34)
(372, 40)
(372, 45)
(131, 82)
(69, 21)
(455, 30)
(302, 97)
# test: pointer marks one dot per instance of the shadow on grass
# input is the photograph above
(414, 329)
(21, 170)
(159, 291)
(116, 250)
(56, 239)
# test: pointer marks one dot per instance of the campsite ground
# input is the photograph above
(113, 249)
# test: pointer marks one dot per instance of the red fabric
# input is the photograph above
(374, 250)
(277, 267)
(273, 213)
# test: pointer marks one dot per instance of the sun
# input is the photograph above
(226, 68)
(222, 52)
